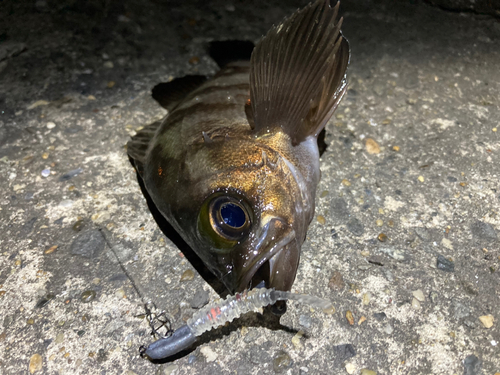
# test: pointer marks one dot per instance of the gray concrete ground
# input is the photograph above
(406, 237)
(479, 6)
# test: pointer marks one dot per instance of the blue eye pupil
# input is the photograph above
(233, 215)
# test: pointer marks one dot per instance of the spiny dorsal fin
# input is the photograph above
(169, 94)
(297, 72)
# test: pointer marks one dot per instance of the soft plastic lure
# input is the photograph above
(223, 311)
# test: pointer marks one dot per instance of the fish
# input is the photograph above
(234, 165)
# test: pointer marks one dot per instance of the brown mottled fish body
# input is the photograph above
(234, 166)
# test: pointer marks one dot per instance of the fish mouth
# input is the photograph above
(264, 262)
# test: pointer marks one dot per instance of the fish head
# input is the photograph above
(254, 215)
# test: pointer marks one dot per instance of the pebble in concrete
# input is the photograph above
(380, 316)
(200, 299)
(339, 209)
(170, 369)
(120, 293)
(350, 368)
(382, 237)
(472, 365)
(281, 362)
(187, 275)
(59, 338)
(423, 233)
(366, 299)
(36, 363)
(487, 320)
(372, 146)
(444, 264)
(251, 336)
(69, 175)
(209, 354)
(7, 321)
(44, 300)
(78, 226)
(415, 304)
(349, 317)
(258, 354)
(305, 321)
(336, 281)
(394, 253)
(418, 294)
(88, 296)
(483, 231)
(355, 227)
(433, 296)
(343, 352)
(88, 244)
(296, 340)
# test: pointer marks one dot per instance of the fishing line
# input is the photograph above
(149, 313)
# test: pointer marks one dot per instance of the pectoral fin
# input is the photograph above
(297, 73)
(138, 145)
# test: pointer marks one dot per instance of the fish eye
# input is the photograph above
(233, 215)
(229, 218)
(225, 220)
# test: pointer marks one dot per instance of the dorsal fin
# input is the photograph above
(297, 72)
(169, 94)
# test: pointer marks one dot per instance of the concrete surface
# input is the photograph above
(491, 7)
(406, 238)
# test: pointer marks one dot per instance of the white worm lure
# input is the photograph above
(223, 311)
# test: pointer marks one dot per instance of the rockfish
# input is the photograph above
(234, 165)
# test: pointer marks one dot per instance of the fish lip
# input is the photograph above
(269, 254)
